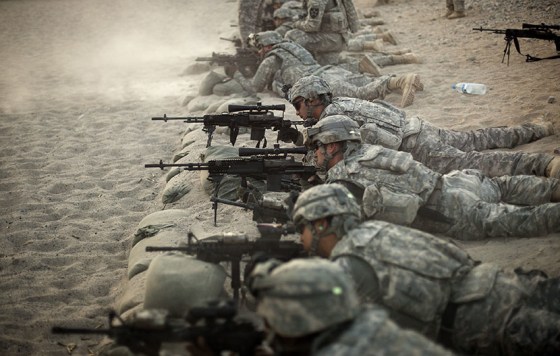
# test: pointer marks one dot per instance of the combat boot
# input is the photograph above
(388, 37)
(553, 168)
(408, 84)
(367, 65)
(448, 13)
(376, 45)
(456, 15)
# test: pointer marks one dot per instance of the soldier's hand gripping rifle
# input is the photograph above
(246, 60)
(146, 333)
(542, 32)
(256, 117)
(233, 247)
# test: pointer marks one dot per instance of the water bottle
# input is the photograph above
(470, 88)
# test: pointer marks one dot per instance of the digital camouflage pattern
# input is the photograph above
(307, 296)
(323, 201)
(323, 30)
(287, 62)
(446, 150)
(463, 204)
(304, 296)
(505, 322)
(373, 333)
(414, 272)
(332, 129)
(417, 277)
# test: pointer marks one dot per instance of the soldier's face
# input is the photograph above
(301, 108)
(326, 243)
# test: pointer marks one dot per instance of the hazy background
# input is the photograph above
(109, 47)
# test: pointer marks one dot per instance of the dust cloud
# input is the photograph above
(118, 49)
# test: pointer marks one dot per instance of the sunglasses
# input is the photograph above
(297, 103)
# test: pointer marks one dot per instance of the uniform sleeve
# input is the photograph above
(315, 12)
(364, 277)
(263, 77)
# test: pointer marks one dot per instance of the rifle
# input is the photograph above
(257, 117)
(232, 247)
(145, 336)
(272, 168)
(245, 59)
(542, 32)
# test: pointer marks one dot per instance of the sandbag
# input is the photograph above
(139, 259)
(210, 80)
(176, 282)
(150, 225)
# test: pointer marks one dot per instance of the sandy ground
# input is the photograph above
(81, 81)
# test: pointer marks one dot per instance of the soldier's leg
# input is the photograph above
(492, 137)
(459, 9)
(438, 149)
(502, 323)
(344, 83)
(474, 206)
(523, 190)
(450, 9)
(317, 42)
(532, 332)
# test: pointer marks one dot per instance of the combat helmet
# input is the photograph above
(334, 128)
(305, 296)
(310, 87)
(332, 201)
(267, 38)
(324, 200)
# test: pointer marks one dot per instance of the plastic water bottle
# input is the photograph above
(470, 88)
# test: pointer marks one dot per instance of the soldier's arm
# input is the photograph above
(364, 277)
(263, 77)
(315, 12)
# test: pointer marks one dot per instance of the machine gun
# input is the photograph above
(246, 60)
(542, 32)
(257, 117)
(271, 168)
(145, 335)
(232, 247)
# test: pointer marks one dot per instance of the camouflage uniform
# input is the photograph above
(433, 286)
(324, 31)
(313, 296)
(463, 204)
(373, 333)
(445, 150)
(288, 61)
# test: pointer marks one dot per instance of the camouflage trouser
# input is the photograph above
(469, 206)
(356, 44)
(325, 47)
(502, 323)
(456, 5)
(446, 150)
(345, 83)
